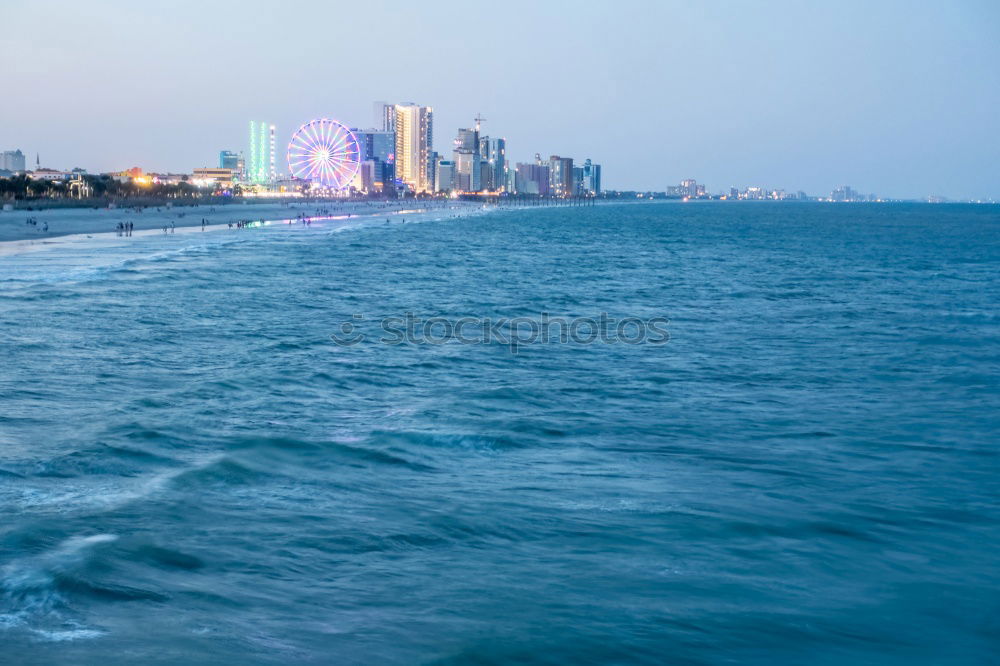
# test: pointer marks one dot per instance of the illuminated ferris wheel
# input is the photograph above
(325, 152)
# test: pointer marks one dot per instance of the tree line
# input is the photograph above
(102, 186)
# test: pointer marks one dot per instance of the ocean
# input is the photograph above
(212, 451)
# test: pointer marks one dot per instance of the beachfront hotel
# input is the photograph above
(414, 143)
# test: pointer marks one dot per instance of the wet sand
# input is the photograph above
(330, 218)
(70, 221)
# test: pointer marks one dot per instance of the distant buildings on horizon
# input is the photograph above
(690, 189)
(397, 157)
(12, 161)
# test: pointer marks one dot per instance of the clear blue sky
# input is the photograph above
(901, 98)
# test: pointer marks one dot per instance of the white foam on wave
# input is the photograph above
(38, 572)
(28, 588)
(87, 256)
(67, 634)
(88, 495)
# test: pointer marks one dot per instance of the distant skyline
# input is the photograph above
(892, 97)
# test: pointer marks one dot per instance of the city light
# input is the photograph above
(325, 152)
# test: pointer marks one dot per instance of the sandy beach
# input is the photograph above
(85, 225)
(67, 221)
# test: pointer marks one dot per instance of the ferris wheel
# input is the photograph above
(325, 152)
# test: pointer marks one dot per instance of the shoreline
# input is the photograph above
(330, 220)
(96, 226)
(63, 222)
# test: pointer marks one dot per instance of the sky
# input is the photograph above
(899, 98)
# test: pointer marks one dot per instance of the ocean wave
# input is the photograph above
(58, 636)
(36, 587)
(43, 593)
(103, 492)
(424, 440)
(266, 447)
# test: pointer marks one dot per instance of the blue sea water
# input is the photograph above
(192, 471)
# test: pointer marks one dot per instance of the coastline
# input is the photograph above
(74, 226)
(74, 221)
(94, 232)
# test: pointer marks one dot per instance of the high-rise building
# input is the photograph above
(365, 179)
(844, 193)
(468, 163)
(467, 140)
(689, 188)
(260, 167)
(493, 153)
(468, 173)
(414, 144)
(445, 177)
(577, 188)
(379, 146)
(432, 172)
(487, 156)
(233, 161)
(532, 178)
(501, 170)
(561, 176)
(13, 160)
(385, 116)
(591, 178)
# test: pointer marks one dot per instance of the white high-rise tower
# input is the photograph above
(414, 144)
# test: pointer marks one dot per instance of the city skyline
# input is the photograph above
(892, 99)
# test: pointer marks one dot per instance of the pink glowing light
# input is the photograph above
(325, 152)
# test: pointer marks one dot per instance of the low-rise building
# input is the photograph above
(52, 174)
(208, 176)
